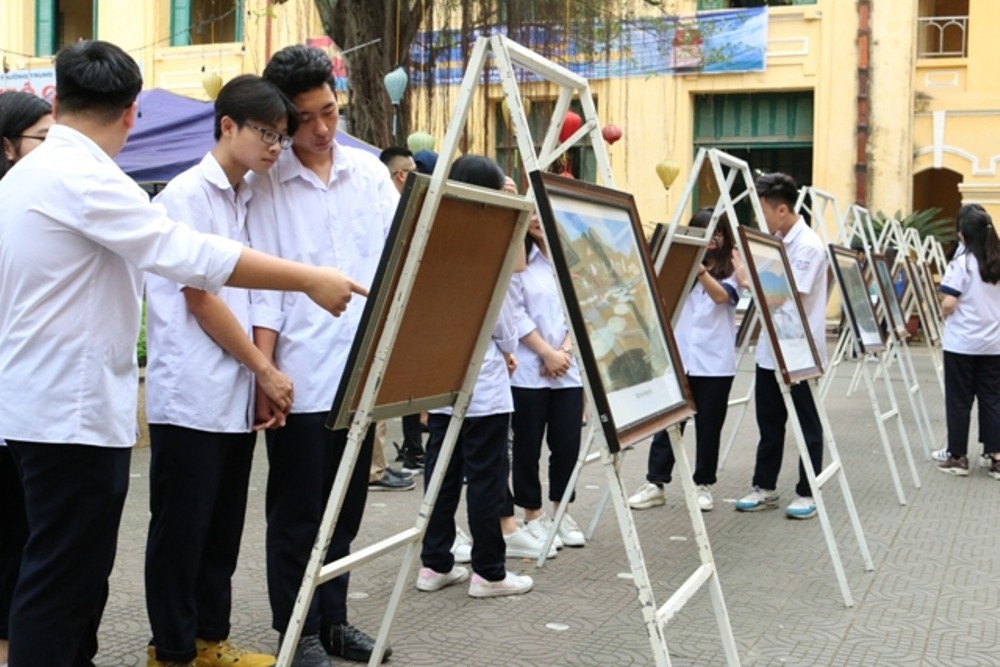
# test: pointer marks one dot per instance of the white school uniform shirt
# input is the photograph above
(491, 394)
(537, 304)
(343, 224)
(974, 326)
(807, 257)
(191, 381)
(706, 332)
(76, 235)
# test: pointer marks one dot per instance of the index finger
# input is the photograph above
(359, 289)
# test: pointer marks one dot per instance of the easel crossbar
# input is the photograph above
(369, 553)
(683, 595)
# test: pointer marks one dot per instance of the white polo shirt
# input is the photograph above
(537, 305)
(808, 260)
(974, 326)
(706, 332)
(76, 234)
(190, 380)
(343, 224)
(491, 394)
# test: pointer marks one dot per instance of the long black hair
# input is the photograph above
(18, 112)
(721, 258)
(477, 170)
(980, 239)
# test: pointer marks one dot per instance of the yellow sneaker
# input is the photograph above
(226, 654)
(151, 660)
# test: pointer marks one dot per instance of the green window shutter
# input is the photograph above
(180, 21)
(238, 30)
(45, 27)
(93, 20)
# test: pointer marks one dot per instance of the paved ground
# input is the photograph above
(932, 599)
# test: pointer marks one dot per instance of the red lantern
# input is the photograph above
(571, 123)
(611, 133)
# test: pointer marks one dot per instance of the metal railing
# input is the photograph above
(942, 36)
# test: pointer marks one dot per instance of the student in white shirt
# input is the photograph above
(480, 454)
(807, 256)
(199, 393)
(548, 393)
(24, 121)
(76, 235)
(971, 342)
(706, 336)
(322, 204)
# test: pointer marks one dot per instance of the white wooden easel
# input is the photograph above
(506, 55)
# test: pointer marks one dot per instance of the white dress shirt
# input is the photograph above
(76, 234)
(538, 306)
(190, 380)
(807, 257)
(974, 326)
(343, 224)
(706, 332)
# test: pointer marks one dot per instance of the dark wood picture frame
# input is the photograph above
(784, 319)
(626, 345)
(915, 283)
(475, 235)
(856, 299)
(679, 269)
(893, 312)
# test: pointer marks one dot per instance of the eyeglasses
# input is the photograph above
(270, 137)
(36, 137)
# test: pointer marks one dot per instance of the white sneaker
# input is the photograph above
(940, 454)
(512, 584)
(521, 544)
(462, 548)
(705, 502)
(802, 507)
(429, 580)
(650, 495)
(539, 529)
(570, 533)
(758, 499)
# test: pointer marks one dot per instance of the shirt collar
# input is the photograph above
(215, 175)
(65, 134)
(794, 232)
(291, 167)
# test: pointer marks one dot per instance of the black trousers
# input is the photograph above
(13, 534)
(413, 434)
(552, 414)
(481, 454)
(771, 419)
(198, 499)
(74, 495)
(711, 398)
(304, 457)
(968, 378)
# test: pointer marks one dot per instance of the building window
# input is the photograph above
(205, 22)
(579, 161)
(704, 5)
(943, 29)
(62, 22)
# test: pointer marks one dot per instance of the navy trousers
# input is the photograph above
(74, 495)
(303, 457)
(552, 414)
(198, 499)
(13, 534)
(969, 378)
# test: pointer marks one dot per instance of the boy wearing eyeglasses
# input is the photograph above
(200, 394)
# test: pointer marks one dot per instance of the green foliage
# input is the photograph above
(924, 221)
(140, 348)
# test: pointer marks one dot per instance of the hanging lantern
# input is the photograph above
(420, 141)
(571, 123)
(212, 83)
(611, 133)
(667, 170)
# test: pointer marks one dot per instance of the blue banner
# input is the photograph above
(718, 42)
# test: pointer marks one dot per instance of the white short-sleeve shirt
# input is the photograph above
(537, 305)
(974, 326)
(706, 332)
(76, 235)
(808, 260)
(190, 380)
(342, 223)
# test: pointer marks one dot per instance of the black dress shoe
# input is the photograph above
(350, 643)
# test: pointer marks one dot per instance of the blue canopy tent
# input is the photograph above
(174, 134)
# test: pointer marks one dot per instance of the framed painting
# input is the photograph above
(625, 342)
(915, 281)
(856, 299)
(444, 323)
(890, 304)
(780, 307)
(678, 267)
